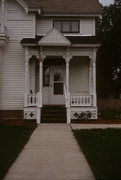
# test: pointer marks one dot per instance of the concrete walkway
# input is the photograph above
(51, 154)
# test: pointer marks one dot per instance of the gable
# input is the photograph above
(54, 38)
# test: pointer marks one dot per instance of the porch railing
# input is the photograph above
(35, 100)
(32, 100)
(81, 100)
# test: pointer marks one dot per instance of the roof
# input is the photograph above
(67, 6)
(73, 39)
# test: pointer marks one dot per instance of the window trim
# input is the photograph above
(61, 21)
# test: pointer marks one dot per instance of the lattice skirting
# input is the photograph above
(92, 110)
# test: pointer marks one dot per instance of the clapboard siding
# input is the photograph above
(13, 77)
(19, 29)
(0, 74)
(79, 75)
(44, 25)
(19, 24)
(87, 26)
(0, 11)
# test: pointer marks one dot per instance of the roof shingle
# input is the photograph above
(67, 6)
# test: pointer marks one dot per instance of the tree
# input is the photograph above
(109, 54)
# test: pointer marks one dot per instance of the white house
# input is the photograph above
(48, 57)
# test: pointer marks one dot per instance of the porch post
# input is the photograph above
(0, 74)
(67, 74)
(67, 91)
(40, 83)
(26, 77)
(3, 16)
(40, 91)
(93, 78)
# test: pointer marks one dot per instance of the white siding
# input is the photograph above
(79, 75)
(13, 77)
(44, 25)
(0, 11)
(0, 73)
(87, 26)
(18, 23)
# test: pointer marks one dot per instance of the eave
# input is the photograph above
(87, 41)
(27, 8)
(71, 15)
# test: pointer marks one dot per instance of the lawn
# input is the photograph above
(12, 141)
(102, 148)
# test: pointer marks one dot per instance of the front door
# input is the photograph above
(57, 85)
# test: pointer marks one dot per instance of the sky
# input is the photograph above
(106, 2)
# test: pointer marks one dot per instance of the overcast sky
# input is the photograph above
(106, 2)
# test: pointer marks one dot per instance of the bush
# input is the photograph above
(109, 114)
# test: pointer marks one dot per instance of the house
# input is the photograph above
(48, 56)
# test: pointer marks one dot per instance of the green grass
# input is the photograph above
(102, 148)
(12, 141)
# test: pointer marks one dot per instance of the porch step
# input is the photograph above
(53, 114)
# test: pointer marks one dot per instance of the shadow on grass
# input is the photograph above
(12, 141)
(102, 148)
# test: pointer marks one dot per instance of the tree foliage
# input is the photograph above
(109, 54)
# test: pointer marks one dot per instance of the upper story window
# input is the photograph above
(67, 26)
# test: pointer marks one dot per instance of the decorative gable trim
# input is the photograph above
(54, 38)
(27, 9)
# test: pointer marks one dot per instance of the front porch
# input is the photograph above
(54, 80)
(59, 73)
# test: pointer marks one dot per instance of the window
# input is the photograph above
(67, 26)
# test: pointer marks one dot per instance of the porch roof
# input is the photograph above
(79, 40)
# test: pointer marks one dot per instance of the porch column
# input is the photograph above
(0, 73)
(26, 77)
(3, 15)
(68, 91)
(93, 78)
(67, 74)
(40, 91)
(40, 81)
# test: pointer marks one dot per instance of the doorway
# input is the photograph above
(53, 85)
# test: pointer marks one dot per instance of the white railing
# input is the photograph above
(32, 100)
(81, 100)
